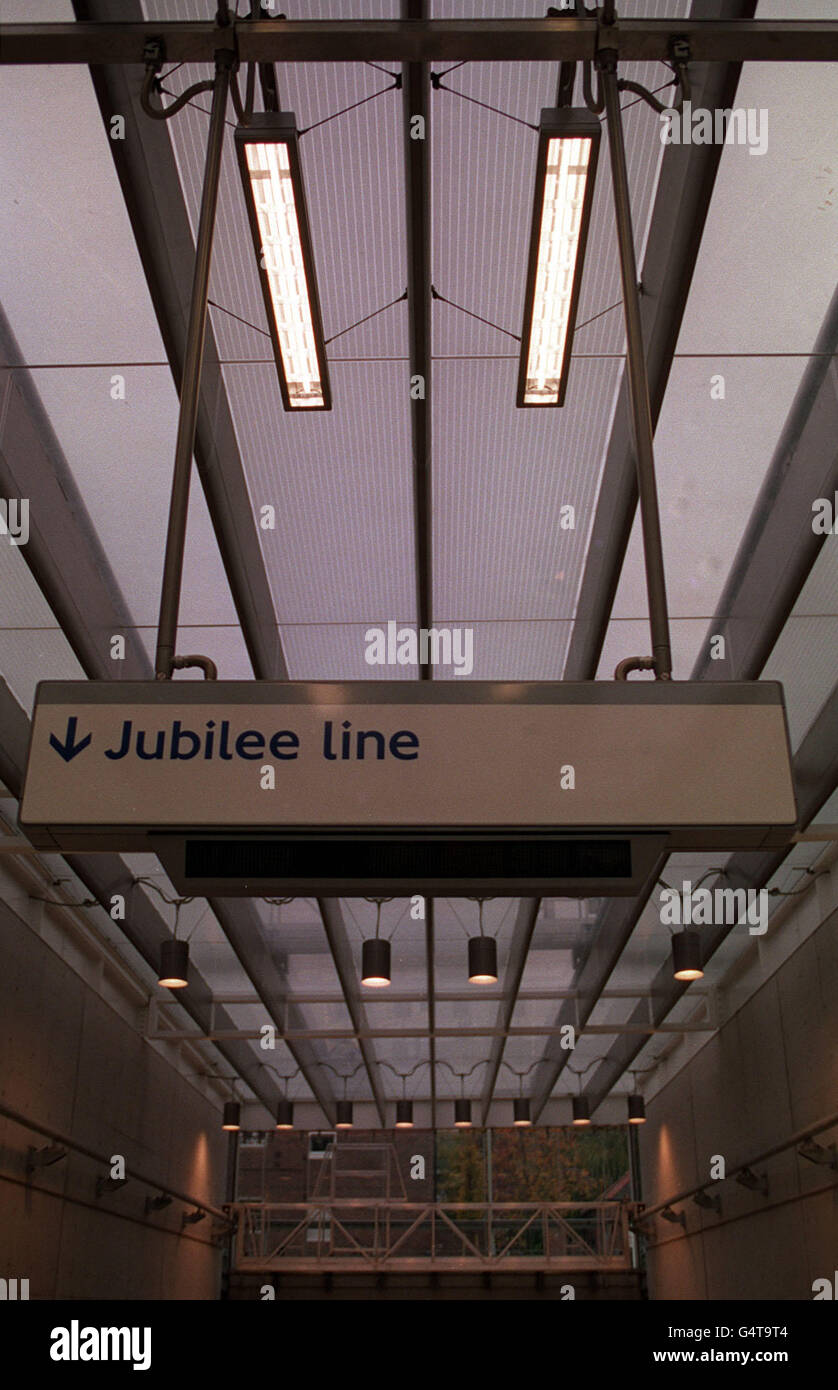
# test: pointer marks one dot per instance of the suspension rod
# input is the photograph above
(191, 383)
(641, 413)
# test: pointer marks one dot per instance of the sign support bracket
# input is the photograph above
(166, 661)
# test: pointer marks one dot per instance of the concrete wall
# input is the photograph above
(771, 1070)
(70, 1061)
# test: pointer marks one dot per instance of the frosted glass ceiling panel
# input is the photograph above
(711, 457)
(780, 199)
(712, 454)
(323, 651)
(342, 550)
(503, 548)
(70, 277)
(75, 294)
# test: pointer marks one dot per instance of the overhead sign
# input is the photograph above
(251, 784)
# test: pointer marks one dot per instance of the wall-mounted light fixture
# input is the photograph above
(568, 146)
(273, 186)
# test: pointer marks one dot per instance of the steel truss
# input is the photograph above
(358, 1234)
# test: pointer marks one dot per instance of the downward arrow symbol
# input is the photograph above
(69, 748)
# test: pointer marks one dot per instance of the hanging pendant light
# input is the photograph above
(344, 1114)
(232, 1115)
(375, 954)
(174, 964)
(521, 1111)
(285, 1114)
(462, 1114)
(482, 960)
(404, 1114)
(636, 1110)
(581, 1110)
(686, 955)
(375, 963)
(482, 956)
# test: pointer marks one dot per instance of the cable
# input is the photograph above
(396, 86)
(435, 294)
(439, 86)
(366, 317)
(245, 112)
(151, 83)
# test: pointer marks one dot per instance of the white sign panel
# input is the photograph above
(112, 764)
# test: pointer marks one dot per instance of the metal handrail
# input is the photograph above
(57, 1137)
(798, 1138)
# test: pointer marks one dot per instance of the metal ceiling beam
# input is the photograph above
(341, 950)
(437, 40)
(759, 593)
(777, 553)
(487, 996)
(70, 567)
(265, 966)
(63, 551)
(415, 109)
(519, 947)
(536, 1031)
(617, 922)
(685, 186)
(107, 874)
(815, 777)
(150, 183)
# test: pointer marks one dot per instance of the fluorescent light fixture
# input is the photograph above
(568, 146)
(273, 186)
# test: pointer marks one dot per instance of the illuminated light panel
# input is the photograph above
(273, 186)
(567, 157)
